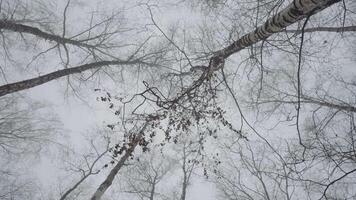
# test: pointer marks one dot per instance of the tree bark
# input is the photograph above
(20, 28)
(297, 10)
(65, 195)
(29, 83)
(110, 178)
(184, 187)
(152, 192)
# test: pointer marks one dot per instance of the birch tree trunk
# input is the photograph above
(297, 10)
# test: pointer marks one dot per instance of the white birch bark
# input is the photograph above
(295, 11)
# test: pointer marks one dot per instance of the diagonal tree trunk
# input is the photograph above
(295, 11)
(29, 83)
(110, 178)
(20, 28)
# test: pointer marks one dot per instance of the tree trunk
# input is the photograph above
(29, 83)
(185, 175)
(20, 28)
(184, 187)
(297, 10)
(152, 193)
(65, 195)
(110, 178)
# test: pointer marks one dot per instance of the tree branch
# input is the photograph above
(324, 29)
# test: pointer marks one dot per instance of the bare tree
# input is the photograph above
(294, 12)
(87, 169)
(189, 151)
(182, 82)
(15, 183)
(91, 49)
(25, 127)
(143, 179)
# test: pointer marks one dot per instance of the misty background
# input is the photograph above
(149, 88)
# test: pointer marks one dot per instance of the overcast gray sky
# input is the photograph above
(268, 100)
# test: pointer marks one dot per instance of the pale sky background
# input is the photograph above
(82, 117)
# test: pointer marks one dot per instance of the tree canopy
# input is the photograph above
(165, 99)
